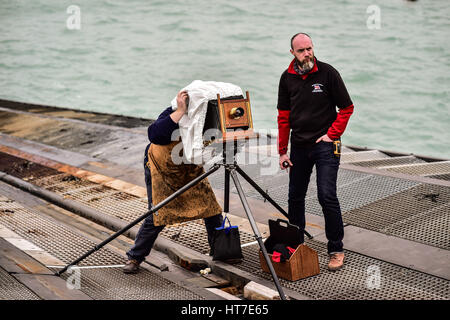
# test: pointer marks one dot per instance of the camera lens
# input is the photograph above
(236, 113)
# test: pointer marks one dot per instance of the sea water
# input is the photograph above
(132, 57)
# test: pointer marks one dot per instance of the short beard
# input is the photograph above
(306, 66)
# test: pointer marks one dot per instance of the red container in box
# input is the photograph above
(303, 263)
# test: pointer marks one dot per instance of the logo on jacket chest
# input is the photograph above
(317, 87)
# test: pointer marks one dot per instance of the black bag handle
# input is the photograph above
(288, 224)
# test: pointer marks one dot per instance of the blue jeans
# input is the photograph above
(327, 164)
(148, 232)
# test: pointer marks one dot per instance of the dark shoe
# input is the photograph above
(131, 266)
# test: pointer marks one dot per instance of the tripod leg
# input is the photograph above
(226, 201)
(266, 196)
(256, 232)
(132, 224)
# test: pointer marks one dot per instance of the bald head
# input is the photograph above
(300, 37)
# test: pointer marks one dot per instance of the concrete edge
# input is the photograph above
(135, 130)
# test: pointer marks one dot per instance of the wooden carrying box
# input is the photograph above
(303, 263)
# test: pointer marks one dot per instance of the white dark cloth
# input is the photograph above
(192, 123)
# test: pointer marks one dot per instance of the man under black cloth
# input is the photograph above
(160, 133)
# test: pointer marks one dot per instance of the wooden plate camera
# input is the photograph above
(232, 116)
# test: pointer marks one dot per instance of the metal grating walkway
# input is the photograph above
(66, 245)
(387, 205)
(355, 189)
(419, 212)
(54, 238)
(349, 283)
(362, 155)
(422, 169)
(11, 289)
(367, 201)
(445, 176)
(113, 284)
(396, 283)
(388, 162)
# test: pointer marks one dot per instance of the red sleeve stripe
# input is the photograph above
(338, 126)
(283, 131)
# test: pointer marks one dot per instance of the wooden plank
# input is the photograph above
(50, 287)
(223, 294)
(220, 282)
(202, 282)
(14, 260)
(256, 291)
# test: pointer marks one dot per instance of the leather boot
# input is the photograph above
(131, 266)
(336, 261)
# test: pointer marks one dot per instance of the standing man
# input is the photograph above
(308, 94)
